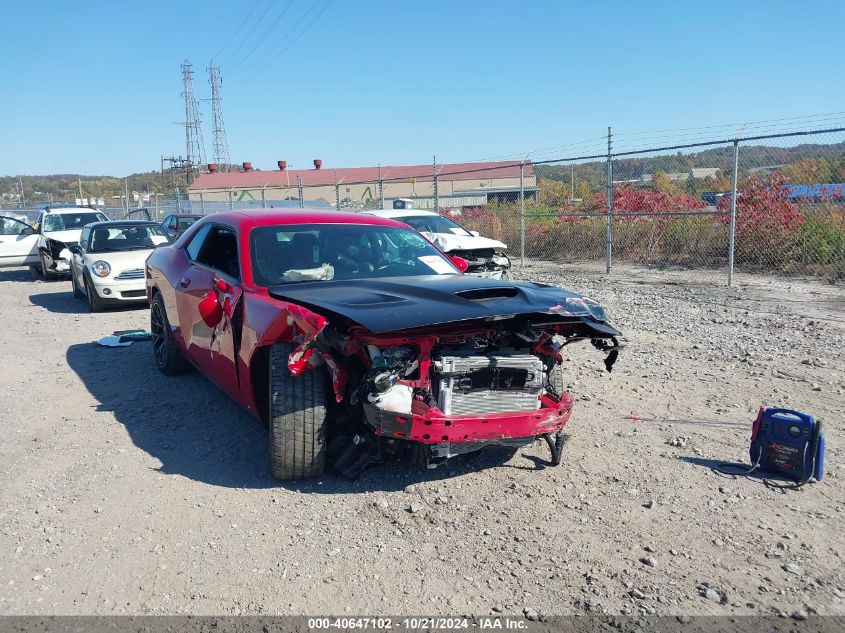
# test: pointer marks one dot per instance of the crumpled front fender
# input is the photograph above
(306, 328)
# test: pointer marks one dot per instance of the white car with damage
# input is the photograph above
(58, 227)
(486, 257)
(107, 265)
(18, 242)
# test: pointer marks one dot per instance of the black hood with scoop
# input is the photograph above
(403, 303)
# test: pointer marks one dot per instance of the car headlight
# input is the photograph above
(101, 268)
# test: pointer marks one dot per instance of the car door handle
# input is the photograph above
(184, 282)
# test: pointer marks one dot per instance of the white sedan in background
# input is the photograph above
(18, 243)
(486, 257)
(107, 265)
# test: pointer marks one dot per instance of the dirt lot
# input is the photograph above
(122, 491)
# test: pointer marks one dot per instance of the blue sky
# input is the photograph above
(94, 87)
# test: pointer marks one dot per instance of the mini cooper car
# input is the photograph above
(107, 265)
(57, 227)
(352, 336)
(485, 257)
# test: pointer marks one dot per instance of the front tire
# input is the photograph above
(94, 302)
(77, 293)
(168, 358)
(298, 418)
(46, 273)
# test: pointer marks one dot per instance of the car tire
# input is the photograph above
(506, 276)
(77, 293)
(46, 273)
(168, 358)
(298, 418)
(94, 302)
(35, 272)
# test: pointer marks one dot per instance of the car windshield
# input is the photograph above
(127, 238)
(69, 221)
(433, 224)
(322, 252)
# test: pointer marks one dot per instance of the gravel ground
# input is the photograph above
(122, 491)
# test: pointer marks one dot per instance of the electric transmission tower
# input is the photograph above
(193, 130)
(221, 145)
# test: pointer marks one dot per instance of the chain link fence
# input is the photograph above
(694, 212)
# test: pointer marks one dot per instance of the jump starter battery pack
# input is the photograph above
(789, 443)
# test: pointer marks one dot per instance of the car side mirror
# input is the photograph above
(475, 233)
(460, 263)
(28, 231)
(73, 248)
(210, 309)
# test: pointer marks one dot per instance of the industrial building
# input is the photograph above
(458, 185)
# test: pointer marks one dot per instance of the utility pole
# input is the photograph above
(436, 188)
(380, 189)
(732, 229)
(193, 130)
(522, 213)
(609, 233)
(79, 182)
(220, 144)
(572, 183)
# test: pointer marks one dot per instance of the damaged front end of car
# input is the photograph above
(56, 256)
(485, 262)
(443, 368)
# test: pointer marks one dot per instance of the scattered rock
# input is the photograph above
(648, 560)
(792, 568)
(381, 504)
(531, 614)
(712, 594)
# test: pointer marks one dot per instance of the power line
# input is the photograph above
(248, 37)
(237, 31)
(260, 41)
(293, 41)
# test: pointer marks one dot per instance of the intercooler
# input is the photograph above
(494, 383)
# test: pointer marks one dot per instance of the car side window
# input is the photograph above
(11, 226)
(83, 239)
(167, 221)
(196, 242)
(219, 251)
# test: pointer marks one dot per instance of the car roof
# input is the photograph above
(187, 215)
(71, 209)
(270, 217)
(399, 213)
(114, 223)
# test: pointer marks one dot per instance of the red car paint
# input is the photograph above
(191, 291)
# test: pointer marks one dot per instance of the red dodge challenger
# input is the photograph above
(352, 336)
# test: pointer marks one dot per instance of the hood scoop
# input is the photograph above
(483, 294)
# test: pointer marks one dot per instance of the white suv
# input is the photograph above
(57, 227)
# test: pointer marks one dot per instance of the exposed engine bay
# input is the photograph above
(452, 392)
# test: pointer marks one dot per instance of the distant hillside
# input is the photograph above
(750, 156)
(61, 187)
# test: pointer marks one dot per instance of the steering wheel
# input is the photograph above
(348, 261)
